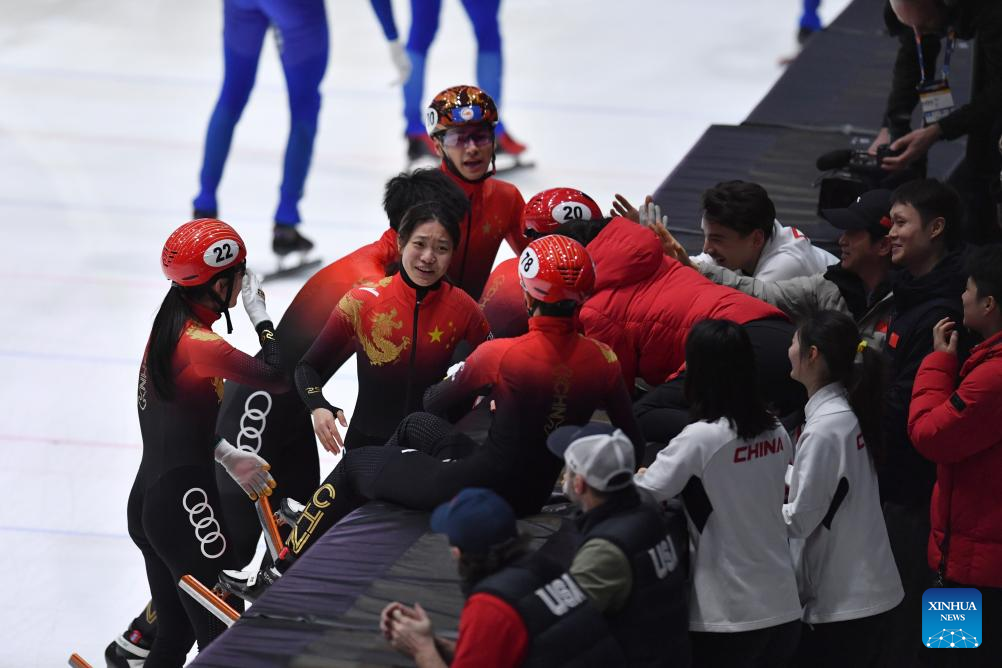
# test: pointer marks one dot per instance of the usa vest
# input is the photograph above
(564, 628)
(653, 626)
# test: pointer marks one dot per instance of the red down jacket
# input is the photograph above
(956, 426)
(645, 303)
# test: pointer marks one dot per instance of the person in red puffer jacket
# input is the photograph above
(953, 421)
(643, 307)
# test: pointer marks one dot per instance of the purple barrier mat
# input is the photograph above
(325, 610)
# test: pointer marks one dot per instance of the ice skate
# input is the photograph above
(292, 248)
(511, 154)
(128, 650)
(209, 599)
(421, 152)
(248, 585)
(204, 213)
(289, 511)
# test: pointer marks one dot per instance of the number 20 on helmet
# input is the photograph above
(546, 211)
(555, 269)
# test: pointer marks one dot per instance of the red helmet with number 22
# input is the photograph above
(555, 269)
(199, 250)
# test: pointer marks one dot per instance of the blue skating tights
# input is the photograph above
(424, 24)
(810, 19)
(301, 32)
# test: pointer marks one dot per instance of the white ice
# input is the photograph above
(103, 106)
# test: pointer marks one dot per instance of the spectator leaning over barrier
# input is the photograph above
(858, 285)
(633, 559)
(953, 421)
(740, 232)
(920, 25)
(924, 236)
(522, 610)
(845, 570)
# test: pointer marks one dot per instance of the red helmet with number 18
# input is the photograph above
(548, 210)
(199, 250)
(555, 269)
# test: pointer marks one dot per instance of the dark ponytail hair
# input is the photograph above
(721, 380)
(167, 325)
(859, 368)
(175, 311)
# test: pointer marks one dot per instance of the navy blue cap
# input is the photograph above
(475, 520)
(871, 211)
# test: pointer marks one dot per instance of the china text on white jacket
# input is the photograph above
(742, 570)
(845, 569)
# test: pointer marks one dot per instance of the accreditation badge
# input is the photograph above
(937, 101)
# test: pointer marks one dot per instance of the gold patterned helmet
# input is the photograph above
(460, 106)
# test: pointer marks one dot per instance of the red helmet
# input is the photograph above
(555, 269)
(460, 106)
(200, 249)
(546, 211)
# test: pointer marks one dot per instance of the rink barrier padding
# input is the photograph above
(834, 90)
(325, 610)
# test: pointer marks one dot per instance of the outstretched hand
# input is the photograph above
(912, 146)
(622, 207)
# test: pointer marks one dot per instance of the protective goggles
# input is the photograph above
(462, 137)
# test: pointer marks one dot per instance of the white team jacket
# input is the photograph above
(787, 254)
(742, 570)
(845, 569)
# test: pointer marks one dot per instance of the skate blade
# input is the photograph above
(78, 662)
(208, 600)
(302, 268)
(271, 536)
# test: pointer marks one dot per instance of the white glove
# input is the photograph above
(253, 297)
(650, 214)
(401, 61)
(249, 470)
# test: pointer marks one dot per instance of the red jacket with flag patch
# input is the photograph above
(953, 421)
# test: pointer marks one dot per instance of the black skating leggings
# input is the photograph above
(277, 427)
(425, 463)
(177, 524)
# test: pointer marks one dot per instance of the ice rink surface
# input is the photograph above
(103, 107)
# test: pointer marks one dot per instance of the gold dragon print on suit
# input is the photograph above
(375, 342)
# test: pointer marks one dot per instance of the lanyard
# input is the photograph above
(951, 42)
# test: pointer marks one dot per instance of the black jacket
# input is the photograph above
(653, 626)
(980, 20)
(919, 303)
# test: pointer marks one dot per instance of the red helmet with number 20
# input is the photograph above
(199, 250)
(555, 269)
(548, 210)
